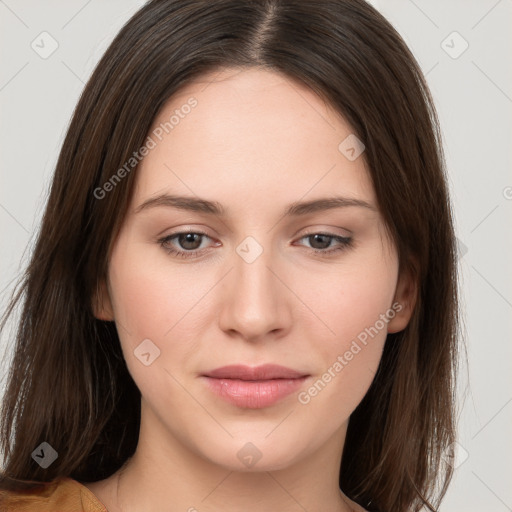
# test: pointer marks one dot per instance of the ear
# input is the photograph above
(101, 303)
(406, 295)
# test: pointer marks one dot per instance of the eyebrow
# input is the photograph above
(296, 209)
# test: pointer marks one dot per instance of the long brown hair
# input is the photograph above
(68, 383)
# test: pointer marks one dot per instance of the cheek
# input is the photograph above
(152, 302)
(355, 309)
(149, 296)
(139, 294)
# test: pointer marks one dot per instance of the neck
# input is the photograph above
(165, 474)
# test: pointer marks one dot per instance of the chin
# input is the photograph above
(260, 454)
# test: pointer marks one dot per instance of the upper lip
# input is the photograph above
(263, 372)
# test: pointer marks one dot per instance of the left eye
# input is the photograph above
(190, 241)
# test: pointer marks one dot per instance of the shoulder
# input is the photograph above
(64, 495)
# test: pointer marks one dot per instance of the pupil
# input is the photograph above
(189, 240)
(325, 241)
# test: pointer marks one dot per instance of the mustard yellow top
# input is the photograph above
(64, 495)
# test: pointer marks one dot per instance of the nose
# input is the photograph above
(256, 304)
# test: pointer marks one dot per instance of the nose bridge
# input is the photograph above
(252, 274)
(254, 302)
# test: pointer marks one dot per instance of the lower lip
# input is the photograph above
(253, 394)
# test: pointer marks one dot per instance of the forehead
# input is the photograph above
(250, 136)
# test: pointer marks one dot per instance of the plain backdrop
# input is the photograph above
(463, 47)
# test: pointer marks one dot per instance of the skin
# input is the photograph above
(256, 142)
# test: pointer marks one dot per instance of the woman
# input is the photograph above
(243, 294)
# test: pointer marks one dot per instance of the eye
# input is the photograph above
(324, 240)
(190, 243)
(189, 240)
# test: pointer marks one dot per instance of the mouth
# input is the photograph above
(254, 387)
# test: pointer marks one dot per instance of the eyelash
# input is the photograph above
(345, 242)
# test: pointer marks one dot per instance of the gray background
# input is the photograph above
(473, 94)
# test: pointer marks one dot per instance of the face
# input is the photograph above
(315, 289)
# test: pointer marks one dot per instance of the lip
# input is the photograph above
(263, 372)
(254, 387)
